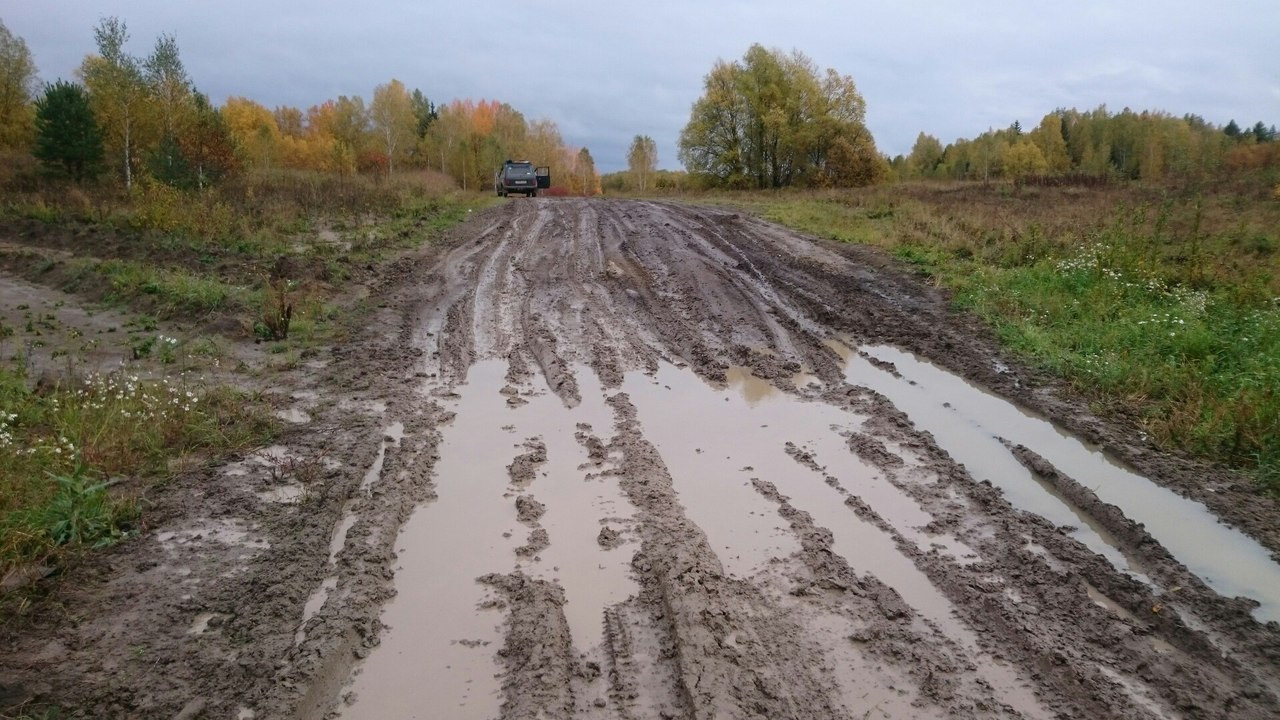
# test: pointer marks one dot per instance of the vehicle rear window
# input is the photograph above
(519, 171)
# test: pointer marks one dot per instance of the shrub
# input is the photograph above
(277, 310)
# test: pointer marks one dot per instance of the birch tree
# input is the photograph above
(391, 114)
(642, 159)
(169, 83)
(771, 120)
(118, 92)
(17, 86)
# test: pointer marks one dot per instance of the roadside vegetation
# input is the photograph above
(131, 191)
(65, 447)
(279, 258)
(1161, 304)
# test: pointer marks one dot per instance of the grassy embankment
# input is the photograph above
(1160, 304)
(78, 451)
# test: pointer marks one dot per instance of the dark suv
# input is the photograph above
(521, 177)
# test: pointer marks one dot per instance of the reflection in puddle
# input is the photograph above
(968, 422)
(752, 388)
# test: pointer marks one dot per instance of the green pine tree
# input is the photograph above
(67, 136)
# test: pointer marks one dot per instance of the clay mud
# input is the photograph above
(616, 459)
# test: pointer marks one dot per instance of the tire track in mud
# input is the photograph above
(554, 333)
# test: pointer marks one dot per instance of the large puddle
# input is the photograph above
(715, 441)
(439, 657)
(968, 423)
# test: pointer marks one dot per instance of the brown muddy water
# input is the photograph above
(438, 658)
(716, 442)
(971, 424)
(445, 628)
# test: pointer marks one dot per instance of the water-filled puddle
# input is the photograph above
(968, 423)
(577, 500)
(714, 442)
(439, 657)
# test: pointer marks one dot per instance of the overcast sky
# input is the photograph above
(605, 72)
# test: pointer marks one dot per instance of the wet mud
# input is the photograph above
(623, 459)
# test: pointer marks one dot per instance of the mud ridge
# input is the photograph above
(736, 655)
(537, 652)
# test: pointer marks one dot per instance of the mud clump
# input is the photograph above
(609, 538)
(873, 451)
(524, 468)
(528, 510)
(538, 541)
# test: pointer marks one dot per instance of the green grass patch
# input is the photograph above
(170, 293)
(830, 218)
(1200, 366)
(1165, 306)
(64, 449)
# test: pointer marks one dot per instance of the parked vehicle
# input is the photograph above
(521, 177)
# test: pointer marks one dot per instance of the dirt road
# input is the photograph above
(614, 459)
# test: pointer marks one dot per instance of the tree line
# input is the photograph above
(1128, 145)
(126, 115)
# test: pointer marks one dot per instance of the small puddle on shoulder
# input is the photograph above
(288, 494)
(293, 415)
(314, 602)
(391, 434)
(1104, 601)
(1141, 695)
(201, 623)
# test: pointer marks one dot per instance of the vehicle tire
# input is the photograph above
(533, 194)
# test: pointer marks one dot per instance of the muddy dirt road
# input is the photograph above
(613, 459)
